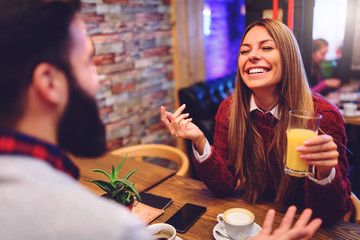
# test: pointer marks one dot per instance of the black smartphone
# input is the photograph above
(185, 217)
(155, 201)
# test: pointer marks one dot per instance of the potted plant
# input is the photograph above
(120, 190)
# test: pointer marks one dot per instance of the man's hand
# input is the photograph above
(303, 229)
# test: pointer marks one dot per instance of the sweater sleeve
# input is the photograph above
(319, 87)
(215, 171)
(331, 201)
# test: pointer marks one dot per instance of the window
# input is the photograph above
(329, 24)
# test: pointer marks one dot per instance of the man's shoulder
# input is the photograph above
(56, 201)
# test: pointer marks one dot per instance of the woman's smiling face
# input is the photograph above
(259, 60)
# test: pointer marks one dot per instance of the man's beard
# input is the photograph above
(81, 131)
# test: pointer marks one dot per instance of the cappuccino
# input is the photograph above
(238, 222)
(237, 218)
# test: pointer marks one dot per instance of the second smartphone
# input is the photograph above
(186, 216)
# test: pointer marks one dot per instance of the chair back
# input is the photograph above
(138, 152)
(354, 213)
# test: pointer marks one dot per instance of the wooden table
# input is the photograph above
(146, 177)
(352, 120)
(335, 98)
(348, 120)
(162, 181)
(184, 190)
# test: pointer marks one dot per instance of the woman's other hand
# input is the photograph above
(320, 152)
(179, 125)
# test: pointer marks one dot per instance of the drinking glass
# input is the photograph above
(303, 125)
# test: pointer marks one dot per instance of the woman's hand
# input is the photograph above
(320, 152)
(303, 229)
(180, 126)
(333, 82)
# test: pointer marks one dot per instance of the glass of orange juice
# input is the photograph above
(303, 125)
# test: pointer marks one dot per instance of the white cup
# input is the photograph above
(238, 222)
(162, 231)
(350, 109)
(348, 96)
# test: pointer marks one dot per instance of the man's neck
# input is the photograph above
(39, 129)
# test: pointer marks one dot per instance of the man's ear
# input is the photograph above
(50, 83)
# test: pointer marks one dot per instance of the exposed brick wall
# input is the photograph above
(133, 45)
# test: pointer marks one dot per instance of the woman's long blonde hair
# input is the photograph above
(246, 147)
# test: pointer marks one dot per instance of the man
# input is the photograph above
(47, 107)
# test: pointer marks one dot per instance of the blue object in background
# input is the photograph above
(224, 24)
(206, 21)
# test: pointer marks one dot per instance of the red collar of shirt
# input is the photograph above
(16, 143)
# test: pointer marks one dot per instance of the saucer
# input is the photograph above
(178, 238)
(220, 227)
(355, 114)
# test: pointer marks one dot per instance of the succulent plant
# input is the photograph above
(121, 190)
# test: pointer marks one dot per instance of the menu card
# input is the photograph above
(146, 213)
(151, 206)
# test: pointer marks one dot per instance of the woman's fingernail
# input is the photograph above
(300, 148)
(326, 137)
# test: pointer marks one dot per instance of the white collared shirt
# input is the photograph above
(254, 106)
(275, 113)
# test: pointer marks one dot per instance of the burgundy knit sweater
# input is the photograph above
(329, 202)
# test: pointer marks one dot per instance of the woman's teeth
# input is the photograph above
(257, 70)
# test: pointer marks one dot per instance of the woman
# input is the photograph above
(317, 81)
(250, 133)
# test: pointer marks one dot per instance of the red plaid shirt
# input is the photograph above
(16, 143)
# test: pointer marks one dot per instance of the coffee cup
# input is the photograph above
(350, 109)
(162, 231)
(348, 96)
(238, 222)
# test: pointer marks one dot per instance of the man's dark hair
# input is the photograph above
(32, 32)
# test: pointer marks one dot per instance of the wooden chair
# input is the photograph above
(138, 152)
(355, 210)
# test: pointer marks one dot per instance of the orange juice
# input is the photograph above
(295, 138)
